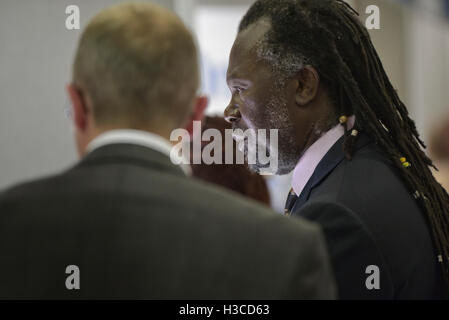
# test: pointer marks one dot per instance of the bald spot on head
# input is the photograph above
(137, 66)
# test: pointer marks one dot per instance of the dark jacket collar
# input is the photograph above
(122, 153)
(329, 162)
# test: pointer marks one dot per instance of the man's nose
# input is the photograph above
(232, 113)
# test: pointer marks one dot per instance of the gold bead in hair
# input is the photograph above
(343, 119)
(404, 162)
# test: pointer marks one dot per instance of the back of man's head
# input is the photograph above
(136, 67)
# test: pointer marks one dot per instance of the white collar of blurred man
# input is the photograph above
(140, 138)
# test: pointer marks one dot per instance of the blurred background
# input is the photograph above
(36, 52)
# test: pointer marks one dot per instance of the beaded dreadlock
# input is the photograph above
(328, 35)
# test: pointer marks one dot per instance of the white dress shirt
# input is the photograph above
(137, 137)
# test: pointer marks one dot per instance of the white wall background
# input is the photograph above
(216, 29)
(427, 72)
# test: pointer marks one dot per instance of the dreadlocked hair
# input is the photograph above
(328, 35)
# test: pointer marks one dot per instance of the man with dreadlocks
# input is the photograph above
(308, 68)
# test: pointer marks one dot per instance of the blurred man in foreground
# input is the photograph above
(125, 222)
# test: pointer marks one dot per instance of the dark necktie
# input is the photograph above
(291, 200)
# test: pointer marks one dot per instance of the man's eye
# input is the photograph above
(238, 89)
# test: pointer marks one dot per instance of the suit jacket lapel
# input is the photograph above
(330, 161)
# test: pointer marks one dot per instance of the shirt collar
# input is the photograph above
(314, 154)
(137, 137)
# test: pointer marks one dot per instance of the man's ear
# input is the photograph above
(79, 108)
(198, 112)
(308, 83)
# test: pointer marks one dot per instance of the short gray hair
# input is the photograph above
(138, 63)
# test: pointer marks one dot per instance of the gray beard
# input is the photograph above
(288, 152)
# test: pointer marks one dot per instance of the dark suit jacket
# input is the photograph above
(370, 218)
(137, 227)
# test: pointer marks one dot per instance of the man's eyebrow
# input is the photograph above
(230, 77)
(233, 74)
(235, 78)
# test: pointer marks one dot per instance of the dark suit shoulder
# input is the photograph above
(352, 249)
(181, 234)
(368, 192)
(119, 183)
(371, 187)
(29, 189)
